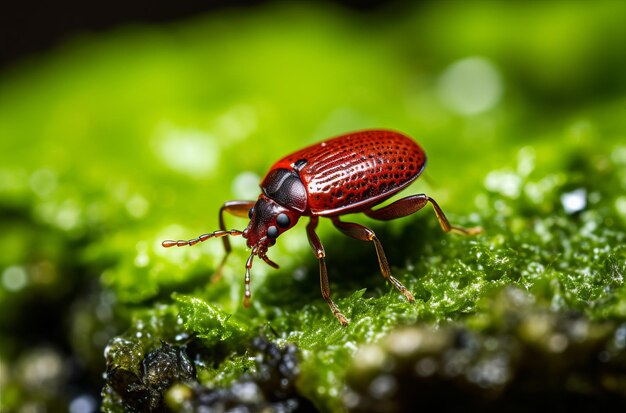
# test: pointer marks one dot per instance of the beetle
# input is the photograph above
(347, 174)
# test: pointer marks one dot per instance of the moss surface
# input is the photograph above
(111, 144)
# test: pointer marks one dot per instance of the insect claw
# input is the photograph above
(262, 253)
(270, 262)
(475, 230)
(409, 296)
(467, 231)
(342, 319)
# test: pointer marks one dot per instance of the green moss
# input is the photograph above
(529, 357)
(141, 134)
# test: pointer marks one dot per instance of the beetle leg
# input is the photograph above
(248, 294)
(238, 209)
(318, 250)
(363, 233)
(411, 204)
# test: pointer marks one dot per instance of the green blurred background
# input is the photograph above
(113, 140)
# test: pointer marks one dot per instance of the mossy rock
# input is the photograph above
(113, 143)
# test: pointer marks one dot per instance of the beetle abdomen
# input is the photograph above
(352, 172)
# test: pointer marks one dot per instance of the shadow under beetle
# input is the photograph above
(344, 175)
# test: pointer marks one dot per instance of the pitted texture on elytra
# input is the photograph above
(355, 170)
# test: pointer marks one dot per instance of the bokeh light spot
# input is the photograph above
(237, 124)
(14, 278)
(470, 86)
(574, 201)
(83, 404)
(43, 182)
(190, 152)
(137, 206)
(246, 186)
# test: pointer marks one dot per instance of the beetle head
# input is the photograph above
(282, 203)
(268, 220)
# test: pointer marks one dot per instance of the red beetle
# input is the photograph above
(343, 175)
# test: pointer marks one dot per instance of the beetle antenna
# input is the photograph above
(217, 234)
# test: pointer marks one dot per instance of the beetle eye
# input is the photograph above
(250, 212)
(272, 232)
(283, 220)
